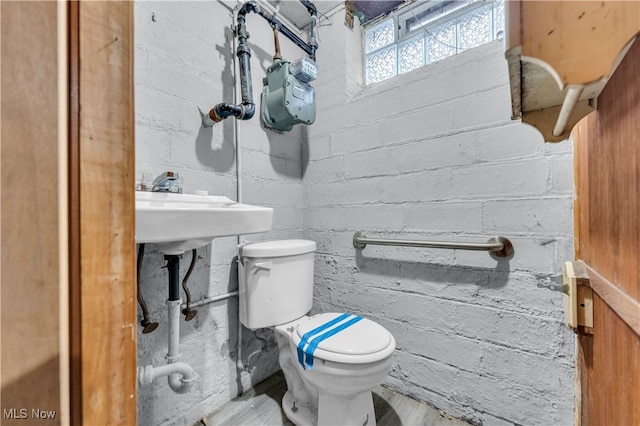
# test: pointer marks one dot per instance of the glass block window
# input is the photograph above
(411, 54)
(428, 31)
(379, 36)
(475, 28)
(441, 42)
(380, 48)
(381, 65)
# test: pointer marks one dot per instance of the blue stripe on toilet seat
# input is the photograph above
(313, 344)
(315, 331)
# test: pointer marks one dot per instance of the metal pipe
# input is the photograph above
(246, 109)
(314, 25)
(147, 325)
(239, 197)
(309, 48)
(173, 266)
(499, 246)
(212, 299)
(189, 313)
(276, 42)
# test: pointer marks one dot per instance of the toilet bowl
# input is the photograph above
(331, 361)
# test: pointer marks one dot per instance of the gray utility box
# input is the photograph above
(286, 100)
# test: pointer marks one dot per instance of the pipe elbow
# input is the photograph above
(218, 113)
(180, 375)
(249, 110)
(222, 111)
(248, 7)
(181, 382)
(310, 7)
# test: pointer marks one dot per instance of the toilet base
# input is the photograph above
(298, 414)
(333, 410)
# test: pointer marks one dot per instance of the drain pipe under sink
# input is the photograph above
(180, 375)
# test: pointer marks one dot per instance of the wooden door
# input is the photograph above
(68, 340)
(33, 369)
(607, 237)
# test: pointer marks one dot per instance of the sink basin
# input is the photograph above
(180, 222)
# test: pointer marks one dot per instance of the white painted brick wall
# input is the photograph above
(183, 60)
(433, 154)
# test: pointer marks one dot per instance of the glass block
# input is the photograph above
(411, 54)
(379, 36)
(441, 42)
(474, 28)
(381, 65)
(499, 18)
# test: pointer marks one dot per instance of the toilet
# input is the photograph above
(331, 361)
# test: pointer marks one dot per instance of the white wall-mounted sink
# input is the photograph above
(180, 222)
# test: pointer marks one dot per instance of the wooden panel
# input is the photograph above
(581, 40)
(106, 198)
(560, 56)
(607, 147)
(29, 161)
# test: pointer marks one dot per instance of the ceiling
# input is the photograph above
(371, 9)
(368, 9)
(295, 12)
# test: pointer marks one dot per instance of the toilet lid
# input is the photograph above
(361, 338)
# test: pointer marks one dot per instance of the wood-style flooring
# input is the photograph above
(260, 406)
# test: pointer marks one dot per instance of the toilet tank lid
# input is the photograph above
(277, 248)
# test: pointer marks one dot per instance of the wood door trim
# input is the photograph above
(102, 227)
(75, 318)
(627, 308)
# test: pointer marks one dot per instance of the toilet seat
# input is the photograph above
(363, 342)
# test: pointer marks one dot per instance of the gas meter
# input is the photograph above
(287, 96)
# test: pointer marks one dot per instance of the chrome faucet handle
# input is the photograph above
(168, 182)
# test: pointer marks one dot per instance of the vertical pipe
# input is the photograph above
(244, 58)
(239, 193)
(173, 266)
(246, 109)
(313, 43)
(176, 381)
(276, 42)
(237, 126)
(173, 310)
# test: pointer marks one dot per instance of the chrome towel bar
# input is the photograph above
(499, 246)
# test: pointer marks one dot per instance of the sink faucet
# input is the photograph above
(168, 182)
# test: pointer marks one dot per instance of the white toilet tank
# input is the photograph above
(276, 282)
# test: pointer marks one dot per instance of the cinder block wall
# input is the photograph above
(431, 155)
(183, 59)
(434, 155)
